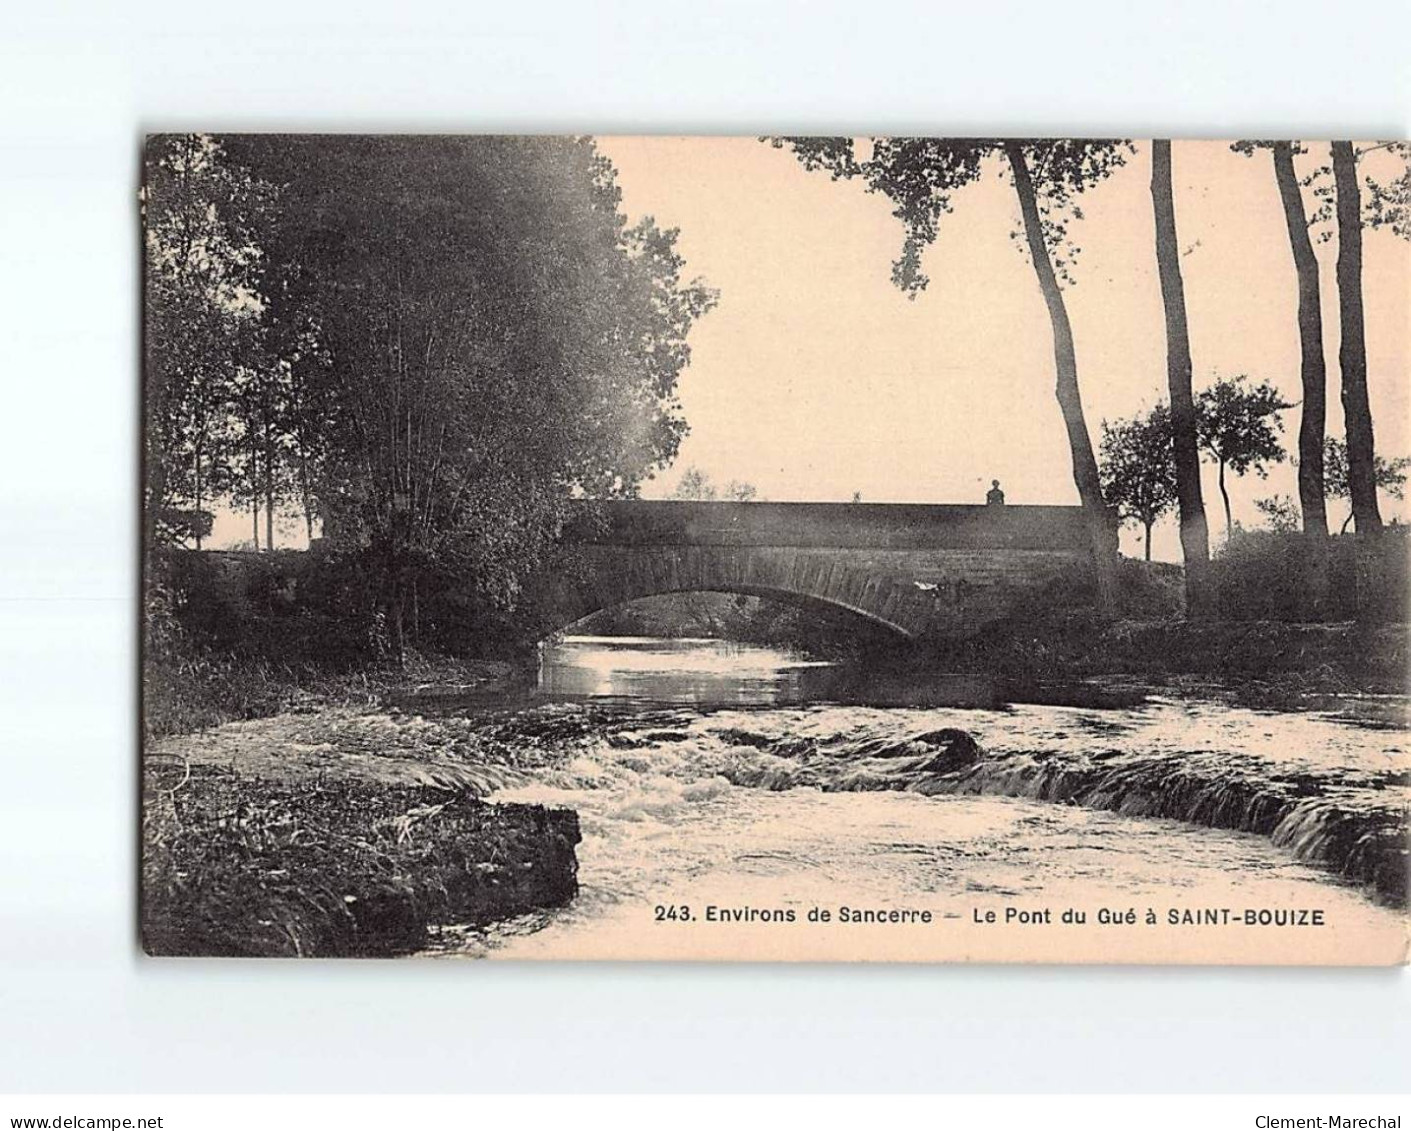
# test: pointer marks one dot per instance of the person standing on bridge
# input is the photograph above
(994, 497)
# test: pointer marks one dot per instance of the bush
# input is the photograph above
(1150, 590)
(1262, 575)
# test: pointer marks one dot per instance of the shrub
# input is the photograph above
(1262, 575)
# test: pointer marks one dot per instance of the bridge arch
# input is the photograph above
(621, 582)
(602, 579)
(911, 570)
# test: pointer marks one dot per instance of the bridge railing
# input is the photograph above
(638, 522)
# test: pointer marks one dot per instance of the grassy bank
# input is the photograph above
(1294, 659)
(273, 845)
(242, 866)
(192, 688)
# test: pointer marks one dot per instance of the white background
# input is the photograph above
(80, 1009)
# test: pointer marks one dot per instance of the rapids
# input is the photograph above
(741, 784)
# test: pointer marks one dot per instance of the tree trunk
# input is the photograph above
(269, 486)
(1312, 496)
(196, 519)
(397, 608)
(255, 491)
(1102, 531)
(1148, 541)
(397, 630)
(269, 512)
(1225, 495)
(1352, 352)
(1195, 534)
(304, 494)
(1313, 421)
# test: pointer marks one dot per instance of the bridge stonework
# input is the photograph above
(916, 570)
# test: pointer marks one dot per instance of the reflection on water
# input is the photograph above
(724, 673)
(700, 672)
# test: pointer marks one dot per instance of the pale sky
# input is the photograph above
(815, 377)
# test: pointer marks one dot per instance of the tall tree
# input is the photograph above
(1138, 468)
(498, 339)
(1239, 427)
(1313, 369)
(920, 176)
(201, 219)
(1195, 534)
(1352, 351)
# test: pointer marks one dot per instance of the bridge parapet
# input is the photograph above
(894, 526)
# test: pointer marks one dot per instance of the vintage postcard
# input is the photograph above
(901, 549)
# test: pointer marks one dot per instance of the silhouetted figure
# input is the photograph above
(994, 497)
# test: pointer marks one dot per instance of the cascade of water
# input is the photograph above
(1353, 822)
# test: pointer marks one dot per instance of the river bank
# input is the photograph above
(327, 832)
(1269, 660)
(194, 688)
(241, 866)
(1257, 662)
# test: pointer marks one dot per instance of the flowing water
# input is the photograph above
(730, 796)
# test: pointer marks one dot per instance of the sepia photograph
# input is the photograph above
(776, 548)
(746, 563)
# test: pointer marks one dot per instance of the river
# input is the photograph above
(732, 796)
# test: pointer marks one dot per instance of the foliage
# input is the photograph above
(176, 526)
(1139, 469)
(1281, 511)
(500, 338)
(1238, 426)
(233, 636)
(697, 484)
(921, 175)
(1261, 575)
(1389, 202)
(1390, 475)
(203, 278)
(433, 344)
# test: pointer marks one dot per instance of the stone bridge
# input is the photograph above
(913, 569)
